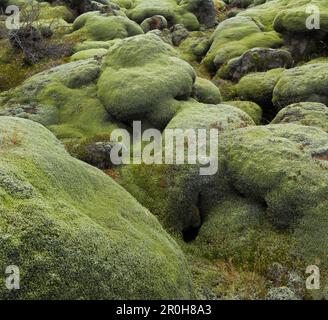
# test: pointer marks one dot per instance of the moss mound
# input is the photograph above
(143, 79)
(304, 113)
(94, 26)
(302, 84)
(139, 10)
(68, 226)
(236, 35)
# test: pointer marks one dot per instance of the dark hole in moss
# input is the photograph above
(190, 233)
(196, 220)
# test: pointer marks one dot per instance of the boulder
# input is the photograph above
(143, 79)
(155, 22)
(258, 87)
(306, 83)
(204, 10)
(172, 10)
(206, 91)
(179, 33)
(251, 108)
(304, 113)
(94, 26)
(235, 36)
(256, 60)
(90, 53)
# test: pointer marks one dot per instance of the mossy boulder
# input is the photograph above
(204, 10)
(94, 26)
(266, 11)
(270, 201)
(87, 45)
(256, 60)
(240, 3)
(175, 192)
(258, 87)
(293, 19)
(195, 46)
(235, 36)
(179, 33)
(152, 23)
(171, 9)
(304, 113)
(263, 205)
(73, 232)
(64, 99)
(143, 79)
(302, 84)
(206, 91)
(251, 108)
(87, 54)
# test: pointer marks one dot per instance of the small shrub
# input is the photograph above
(10, 139)
(35, 40)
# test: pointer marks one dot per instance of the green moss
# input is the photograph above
(304, 113)
(156, 78)
(87, 54)
(302, 84)
(98, 27)
(70, 90)
(48, 12)
(64, 222)
(206, 91)
(172, 191)
(251, 108)
(170, 9)
(258, 87)
(88, 45)
(236, 35)
(293, 19)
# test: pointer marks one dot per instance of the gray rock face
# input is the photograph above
(91, 5)
(179, 33)
(257, 60)
(206, 13)
(98, 155)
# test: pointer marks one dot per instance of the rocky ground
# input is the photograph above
(77, 70)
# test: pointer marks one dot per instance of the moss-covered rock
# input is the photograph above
(236, 35)
(263, 205)
(94, 26)
(176, 192)
(144, 79)
(206, 91)
(240, 3)
(87, 54)
(73, 232)
(256, 60)
(258, 87)
(49, 12)
(170, 9)
(152, 23)
(63, 98)
(302, 84)
(304, 113)
(251, 108)
(204, 10)
(87, 45)
(273, 200)
(294, 18)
